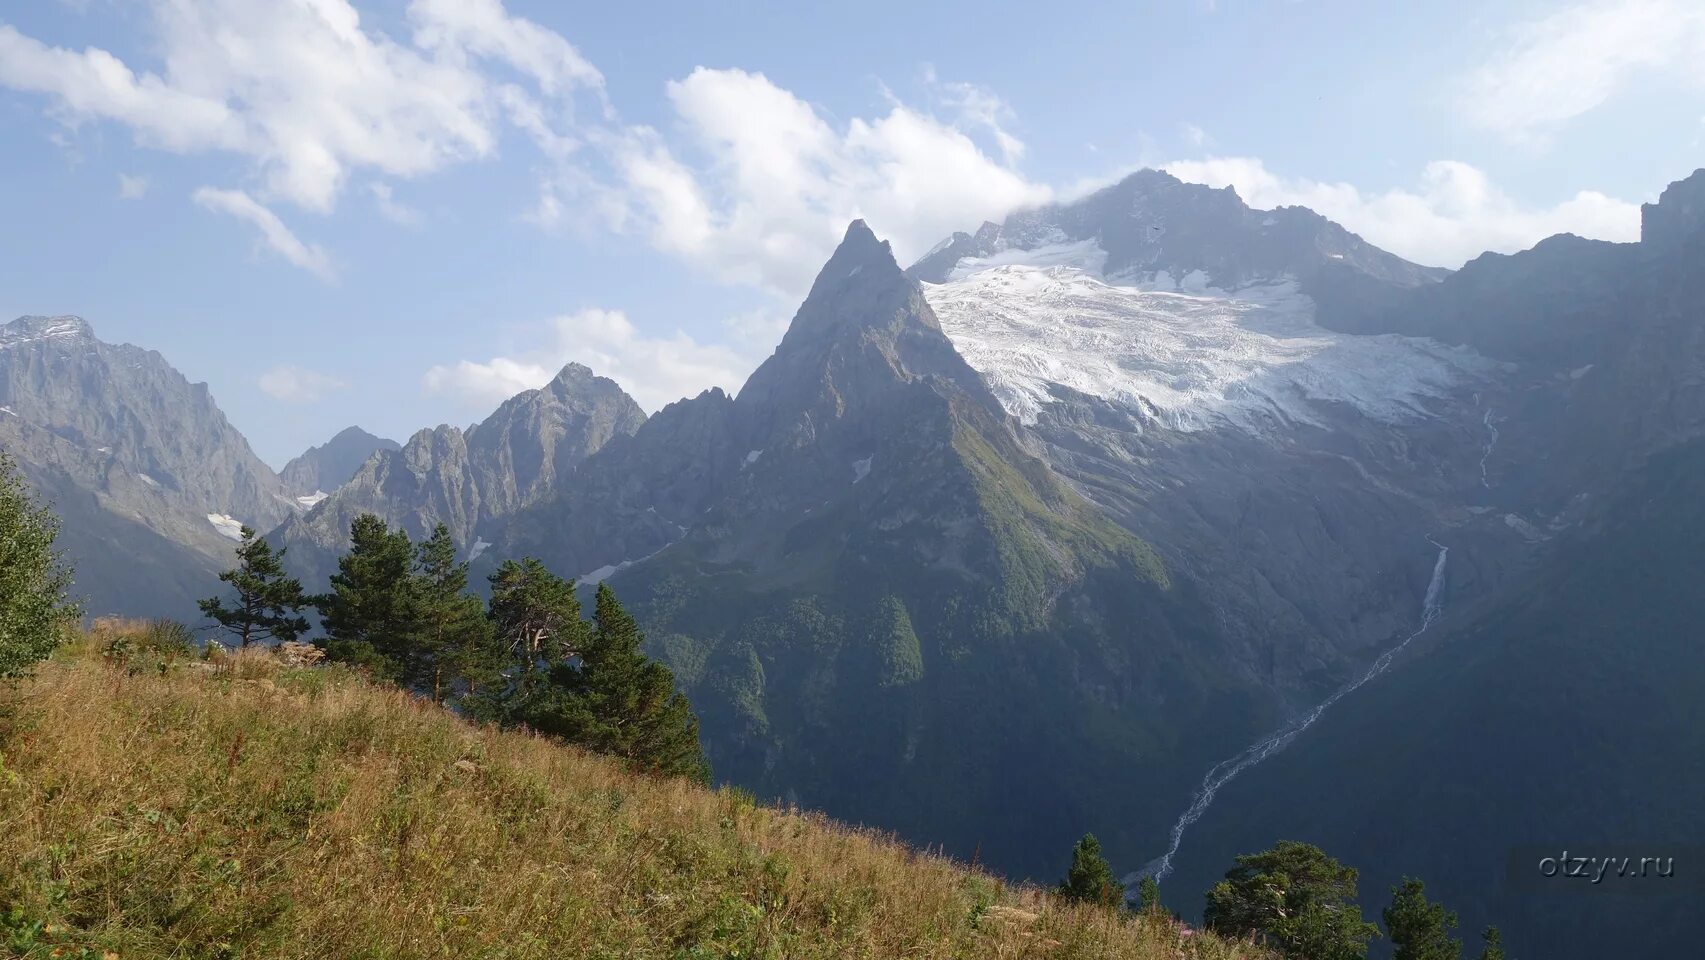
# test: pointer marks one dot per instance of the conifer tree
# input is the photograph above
(535, 614)
(618, 701)
(1148, 895)
(1294, 898)
(454, 635)
(1419, 929)
(35, 582)
(1090, 878)
(371, 615)
(1494, 944)
(268, 602)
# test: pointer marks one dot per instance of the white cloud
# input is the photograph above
(1556, 68)
(1454, 214)
(978, 108)
(656, 371)
(296, 385)
(777, 184)
(750, 183)
(1194, 135)
(132, 188)
(391, 208)
(273, 232)
(308, 93)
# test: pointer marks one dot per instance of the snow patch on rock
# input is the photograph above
(308, 502)
(227, 526)
(861, 469)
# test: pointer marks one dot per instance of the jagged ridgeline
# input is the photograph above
(875, 594)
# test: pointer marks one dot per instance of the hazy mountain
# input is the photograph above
(322, 469)
(470, 480)
(150, 477)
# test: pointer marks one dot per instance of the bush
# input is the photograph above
(35, 583)
(144, 646)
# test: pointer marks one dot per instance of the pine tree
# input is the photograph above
(268, 602)
(1419, 929)
(618, 701)
(1090, 878)
(371, 615)
(1148, 894)
(535, 614)
(35, 582)
(1295, 898)
(1494, 948)
(455, 646)
(637, 712)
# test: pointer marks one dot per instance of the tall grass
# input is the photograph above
(241, 809)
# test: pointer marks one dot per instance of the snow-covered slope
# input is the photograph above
(1176, 352)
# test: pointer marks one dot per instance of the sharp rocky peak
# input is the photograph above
(861, 288)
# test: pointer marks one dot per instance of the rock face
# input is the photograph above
(1163, 344)
(322, 469)
(151, 478)
(1583, 665)
(471, 481)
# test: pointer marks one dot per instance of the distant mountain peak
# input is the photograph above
(30, 328)
(324, 468)
(574, 372)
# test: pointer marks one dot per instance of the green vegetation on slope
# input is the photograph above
(196, 810)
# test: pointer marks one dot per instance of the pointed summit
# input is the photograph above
(860, 288)
(574, 373)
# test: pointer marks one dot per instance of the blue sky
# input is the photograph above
(397, 213)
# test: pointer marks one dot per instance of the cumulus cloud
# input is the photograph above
(1550, 70)
(750, 183)
(273, 233)
(655, 370)
(776, 184)
(132, 188)
(297, 385)
(1453, 214)
(307, 92)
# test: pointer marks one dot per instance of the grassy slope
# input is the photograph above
(262, 812)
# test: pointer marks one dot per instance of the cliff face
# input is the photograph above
(151, 479)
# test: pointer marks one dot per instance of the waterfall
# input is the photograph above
(1491, 441)
(1227, 770)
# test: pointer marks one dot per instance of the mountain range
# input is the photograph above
(1022, 539)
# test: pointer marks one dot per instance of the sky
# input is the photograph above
(396, 213)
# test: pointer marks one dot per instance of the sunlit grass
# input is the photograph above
(241, 809)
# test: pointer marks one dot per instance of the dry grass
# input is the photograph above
(241, 809)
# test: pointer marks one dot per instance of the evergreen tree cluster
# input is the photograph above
(1298, 901)
(526, 657)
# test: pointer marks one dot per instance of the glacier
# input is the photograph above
(1177, 351)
